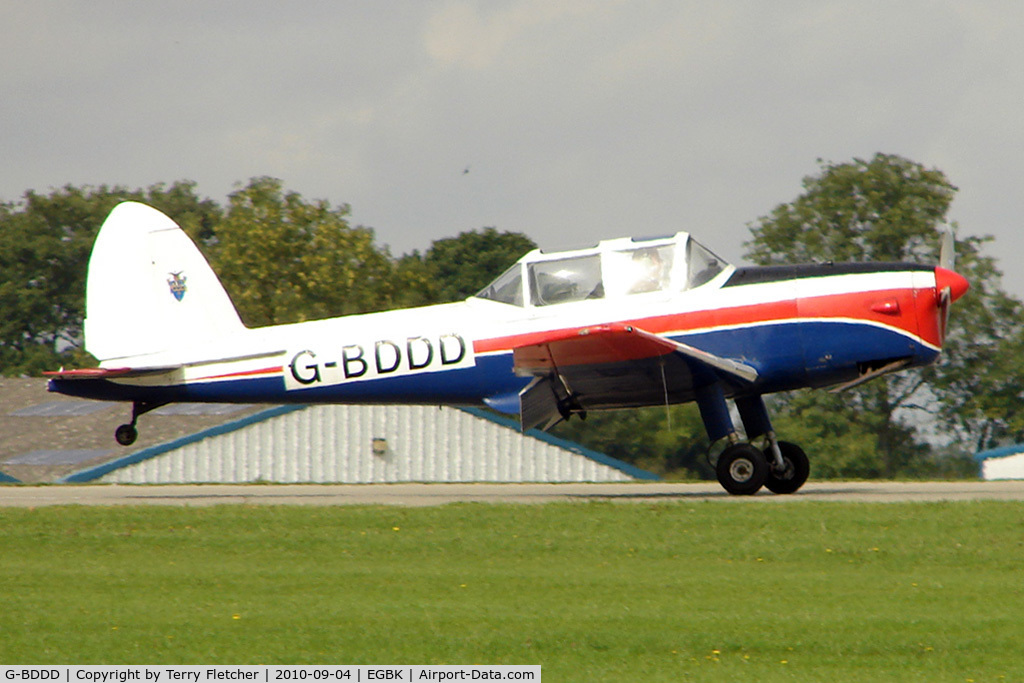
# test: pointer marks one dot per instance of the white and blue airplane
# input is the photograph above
(626, 323)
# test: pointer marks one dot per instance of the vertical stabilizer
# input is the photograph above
(149, 288)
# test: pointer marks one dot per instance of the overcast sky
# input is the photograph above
(576, 120)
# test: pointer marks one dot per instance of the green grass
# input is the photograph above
(794, 591)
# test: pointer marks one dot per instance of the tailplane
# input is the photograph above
(150, 289)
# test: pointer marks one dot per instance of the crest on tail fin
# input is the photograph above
(177, 285)
(149, 288)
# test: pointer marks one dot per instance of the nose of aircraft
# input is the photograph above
(946, 279)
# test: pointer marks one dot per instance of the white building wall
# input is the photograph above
(1009, 467)
(335, 443)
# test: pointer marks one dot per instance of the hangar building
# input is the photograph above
(363, 444)
(48, 438)
(1002, 463)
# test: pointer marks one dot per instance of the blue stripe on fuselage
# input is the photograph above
(786, 356)
(462, 386)
(809, 353)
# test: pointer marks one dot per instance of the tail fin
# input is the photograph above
(149, 289)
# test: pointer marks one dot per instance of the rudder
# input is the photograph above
(149, 289)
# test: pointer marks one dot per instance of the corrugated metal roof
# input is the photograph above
(363, 444)
(63, 409)
(31, 419)
(44, 456)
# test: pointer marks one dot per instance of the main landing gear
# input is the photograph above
(126, 434)
(742, 468)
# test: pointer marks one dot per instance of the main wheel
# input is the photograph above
(126, 434)
(794, 474)
(742, 469)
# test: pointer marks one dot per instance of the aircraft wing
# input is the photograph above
(614, 366)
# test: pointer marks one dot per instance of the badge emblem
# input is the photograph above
(177, 284)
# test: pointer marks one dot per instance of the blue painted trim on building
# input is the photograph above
(1003, 452)
(572, 446)
(94, 473)
(8, 479)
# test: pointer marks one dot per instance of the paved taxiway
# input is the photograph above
(440, 494)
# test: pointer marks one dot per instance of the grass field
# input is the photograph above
(593, 592)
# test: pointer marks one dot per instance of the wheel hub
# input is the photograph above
(786, 471)
(741, 470)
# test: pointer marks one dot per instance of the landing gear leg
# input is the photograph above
(794, 471)
(789, 465)
(126, 434)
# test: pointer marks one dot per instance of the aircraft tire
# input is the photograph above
(126, 434)
(742, 469)
(798, 467)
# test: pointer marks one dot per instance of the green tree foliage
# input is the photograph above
(664, 441)
(883, 209)
(458, 267)
(283, 259)
(979, 382)
(890, 209)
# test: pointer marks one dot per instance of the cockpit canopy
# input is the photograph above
(612, 269)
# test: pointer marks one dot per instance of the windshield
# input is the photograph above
(618, 270)
(508, 288)
(703, 265)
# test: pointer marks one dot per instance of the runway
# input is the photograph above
(418, 495)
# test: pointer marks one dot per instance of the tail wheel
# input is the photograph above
(793, 475)
(126, 434)
(742, 469)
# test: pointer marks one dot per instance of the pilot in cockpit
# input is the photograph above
(649, 269)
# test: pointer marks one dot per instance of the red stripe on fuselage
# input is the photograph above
(245, 373)
(914, 315)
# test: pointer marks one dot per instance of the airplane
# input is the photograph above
(629, 322)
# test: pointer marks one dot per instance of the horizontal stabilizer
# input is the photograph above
(109, 373)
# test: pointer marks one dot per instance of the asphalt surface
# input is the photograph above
(441, 494)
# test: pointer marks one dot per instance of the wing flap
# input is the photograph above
(615, 343)
(614, 366)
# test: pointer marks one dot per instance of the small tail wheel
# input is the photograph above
(126, 434)
(796, 469)
(742, 469)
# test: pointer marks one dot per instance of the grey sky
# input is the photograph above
(577, 120)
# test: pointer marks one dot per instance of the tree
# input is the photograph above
(885, 209)
(889, 209)
(283, 259)
(457, 267)
(980, 379)
(663, 441)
